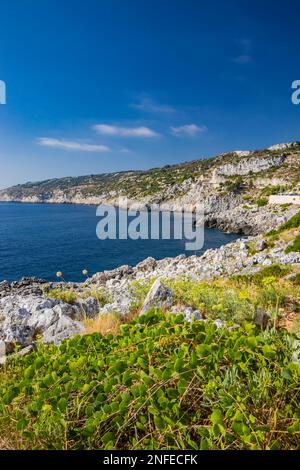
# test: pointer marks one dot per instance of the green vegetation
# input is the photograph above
(68, 296)
(293, 222)
(146, 184)
(159, 382)
(262, 202)
(234, 184)
(295, 246)
(270, 190)
(162, 383)
(275, 270)
(236, 300)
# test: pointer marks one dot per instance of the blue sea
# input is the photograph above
(41, 239)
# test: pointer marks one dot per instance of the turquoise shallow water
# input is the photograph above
(41, 239)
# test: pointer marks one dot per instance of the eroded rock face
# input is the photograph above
(24, 318)
(254, 165)
(26, 286)
(89, 307)
(283, 146)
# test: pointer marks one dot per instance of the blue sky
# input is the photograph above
(108, 85)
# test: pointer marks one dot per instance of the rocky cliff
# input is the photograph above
(234, 188)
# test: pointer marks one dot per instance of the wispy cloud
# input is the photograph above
(189, 130)
(125, 150)
(146, 103)
(243, 59)
(72, 145)
(110, 130)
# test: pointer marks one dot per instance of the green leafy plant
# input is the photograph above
(295, 246)
(262, 202)
(65, 295)
(161, 383)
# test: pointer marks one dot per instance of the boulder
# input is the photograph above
(88, 307)
(148, 264)
(158, 296)
(64, 328)
(24, 318)
(262, 318)
(261, 245)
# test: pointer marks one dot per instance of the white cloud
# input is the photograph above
(106, 129)
(146, 103)
(125, 150)
(72, 145)
(188, 130)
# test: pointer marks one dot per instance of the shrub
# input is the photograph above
(65, 295)
(295, 246)
(162, 383)
(293, 222)
(98, 294)
(269, 190)
(262, 202)
(277, 271)
(235, 185)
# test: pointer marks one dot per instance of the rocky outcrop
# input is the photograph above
(248, 220)
(250, 165)
(26, 286)
(159, 296)
(23, 319)
(283, 146)
(244, 256)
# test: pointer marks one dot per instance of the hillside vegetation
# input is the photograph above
(157, 182)
(162, 383)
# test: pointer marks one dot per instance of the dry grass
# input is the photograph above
(10, 439)
(289, 235)
(105, 323)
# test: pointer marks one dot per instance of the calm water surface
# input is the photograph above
(41, 239)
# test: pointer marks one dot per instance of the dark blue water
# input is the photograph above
(41, 239)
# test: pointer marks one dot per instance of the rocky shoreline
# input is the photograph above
(28, 315)
(233, 189)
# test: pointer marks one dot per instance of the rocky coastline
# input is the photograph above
(232, 187)
(29, 315)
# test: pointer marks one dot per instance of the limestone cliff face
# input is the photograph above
(229, 186)
(252, 165)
